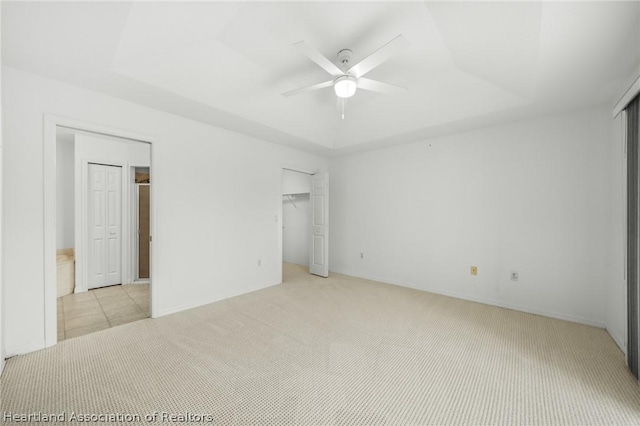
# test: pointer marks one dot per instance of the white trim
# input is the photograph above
(299, 170)
(153, 227)
(484, 300)
(619, 341)
(294, 168)
(210, 300)
(133, 213)
(50, 335)
(627, 97)
(23, 349)
(50, 326)
(2, 310)
(622, 341)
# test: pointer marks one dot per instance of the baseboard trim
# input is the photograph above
(187, 306)
(23, 349)
(619, 341)
(486, 301)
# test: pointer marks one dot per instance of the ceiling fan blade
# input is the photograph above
(319, 58)
(379, 56)
(309, 88)
(378, 86)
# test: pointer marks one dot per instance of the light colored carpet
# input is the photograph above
(335, 351)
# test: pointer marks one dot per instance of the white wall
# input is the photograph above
(531, 196)
(296, 229)
(2, 333)
(616, 287)
(218, 199)
(112, 151)
(295, 182)
(2, 322)
(65, 233)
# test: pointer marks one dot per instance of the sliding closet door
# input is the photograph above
(633, 186)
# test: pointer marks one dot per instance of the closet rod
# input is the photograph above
(298, 171)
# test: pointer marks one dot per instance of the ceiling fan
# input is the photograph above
(348, 78)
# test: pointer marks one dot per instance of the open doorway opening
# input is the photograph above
(142, 209)
(296, 221)
(305, 222)
(97, 232)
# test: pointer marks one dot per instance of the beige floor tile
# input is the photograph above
(85, 304)
(140, 298)
(78, 297)
(115, 301)
(108, 291)
(144, 308)
(82, 312)
(81, 331)
(95, 310)
(125, 319)
(136, 288)
(84, 321)
(122, 311)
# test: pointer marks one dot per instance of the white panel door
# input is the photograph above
(319, 242)
(104, 225)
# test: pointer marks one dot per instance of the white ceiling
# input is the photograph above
(469, 64)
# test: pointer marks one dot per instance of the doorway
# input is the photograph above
(96, 228)
(305, 222)
(142, 215)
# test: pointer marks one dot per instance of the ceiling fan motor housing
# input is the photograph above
(345, 56)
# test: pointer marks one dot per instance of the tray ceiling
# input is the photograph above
(227, 63)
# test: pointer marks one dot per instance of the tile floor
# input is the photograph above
(95, 310)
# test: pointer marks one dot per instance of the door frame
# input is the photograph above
(281, 210)
(51, 122)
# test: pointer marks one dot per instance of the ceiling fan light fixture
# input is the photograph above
(345, 86)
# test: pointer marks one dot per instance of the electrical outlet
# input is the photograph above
(514, 275)
(474, 270)
(361, 255)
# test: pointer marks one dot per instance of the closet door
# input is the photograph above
(104, 225)
(319, 244)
